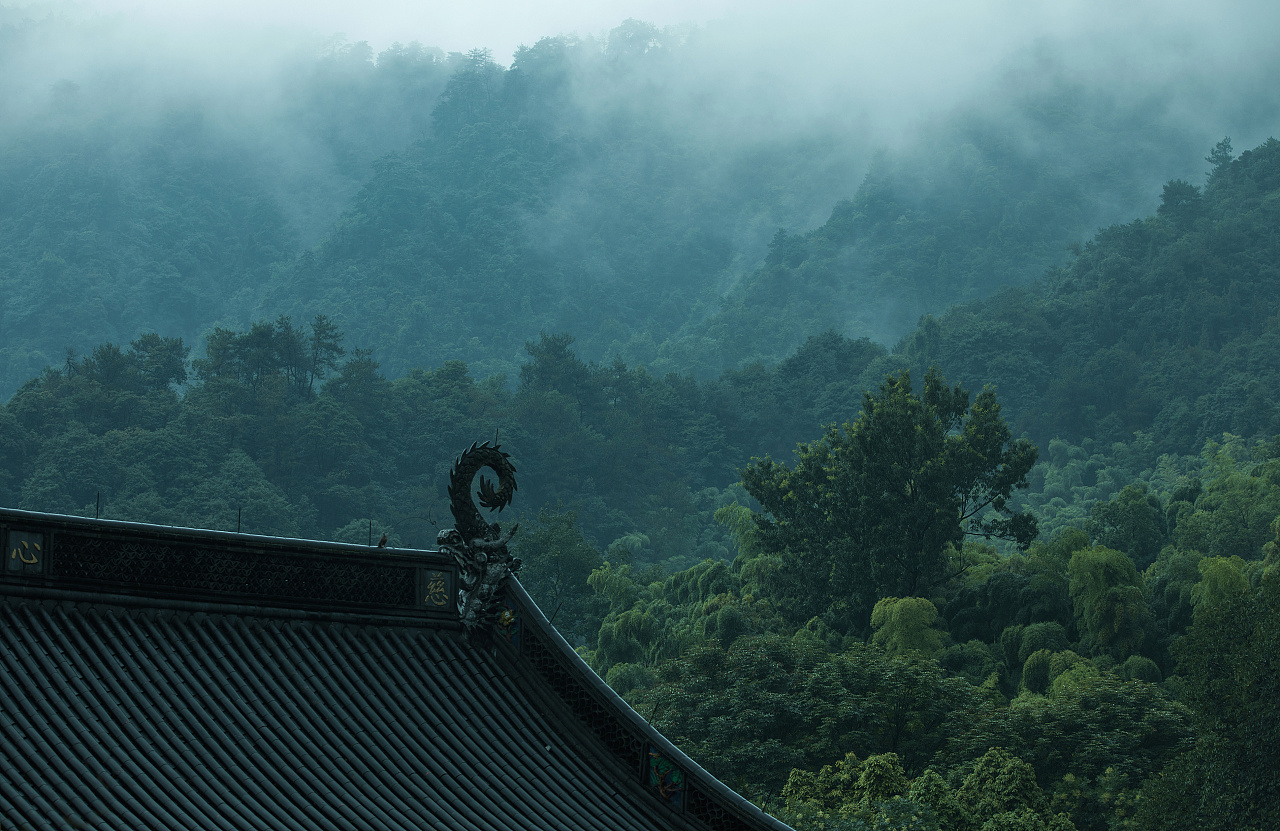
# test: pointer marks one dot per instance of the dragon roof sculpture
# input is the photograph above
(476, 545)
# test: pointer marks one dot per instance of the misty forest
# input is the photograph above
(924, 477)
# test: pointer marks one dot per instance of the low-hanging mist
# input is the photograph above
(213, 166)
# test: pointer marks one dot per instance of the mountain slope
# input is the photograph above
(1169, 324)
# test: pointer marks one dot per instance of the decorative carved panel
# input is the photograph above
(665, 777)
(24, 553)
(713, 815)
(603, 721)
(204, 570)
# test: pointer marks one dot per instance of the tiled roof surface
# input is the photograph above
(128, 701)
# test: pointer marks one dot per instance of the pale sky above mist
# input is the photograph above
(499, 25)
(938, 30)
(775, 64)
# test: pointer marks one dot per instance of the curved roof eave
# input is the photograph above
(747, 810)
(86, 564)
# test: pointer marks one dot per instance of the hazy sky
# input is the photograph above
(937, 29)
(865, 62)
(500, 25)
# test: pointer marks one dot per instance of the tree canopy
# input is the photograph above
(881, 507)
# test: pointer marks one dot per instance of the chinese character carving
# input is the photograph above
(25, 553)
(437, 593)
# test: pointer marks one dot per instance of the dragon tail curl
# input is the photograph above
(467, 517)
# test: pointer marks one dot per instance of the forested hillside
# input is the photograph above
(446, 207)
(133, 200)
(987, 200)
(1049, 604)
(525, 211)
(1165, 325)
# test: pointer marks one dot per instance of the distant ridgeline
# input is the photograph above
(1168, 325)
(447, 208)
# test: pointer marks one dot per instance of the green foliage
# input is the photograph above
(881, 778)
(649, 619)
(1180, 203)
(627, 679)
(848, 784)
(767, 704)
(1147, 363)
(830, 787)
(1220, 157)
(896, 814)
(1110, 603)
(1170, 584)
(1041, 636)
(875, 508)
(708, 634)
(1132, 522)
(1092, 739)
(1020, 590)
(13, 447)
(901, 625)
(1138, 668)
(1036, 671)
(968, 211)
(270, 352)
(564, 185)
(1227, 662)
(974, 661)
(1163, 325)
(740, 521)
(110, 388)
(1064, 489)
(862, 795)
(134, 202)
(1000, 783)
(108, 230)
(557, 562)
(998, 792)
(1222, 582)
(930, 789)
(1061, 662)
(1232, 515)
(1026, 820)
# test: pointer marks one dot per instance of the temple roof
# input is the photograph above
(156, 677)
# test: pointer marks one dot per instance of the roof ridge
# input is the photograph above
(82, 566)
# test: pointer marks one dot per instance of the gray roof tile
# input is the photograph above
(162, 678)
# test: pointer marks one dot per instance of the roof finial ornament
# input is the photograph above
(479, 547)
